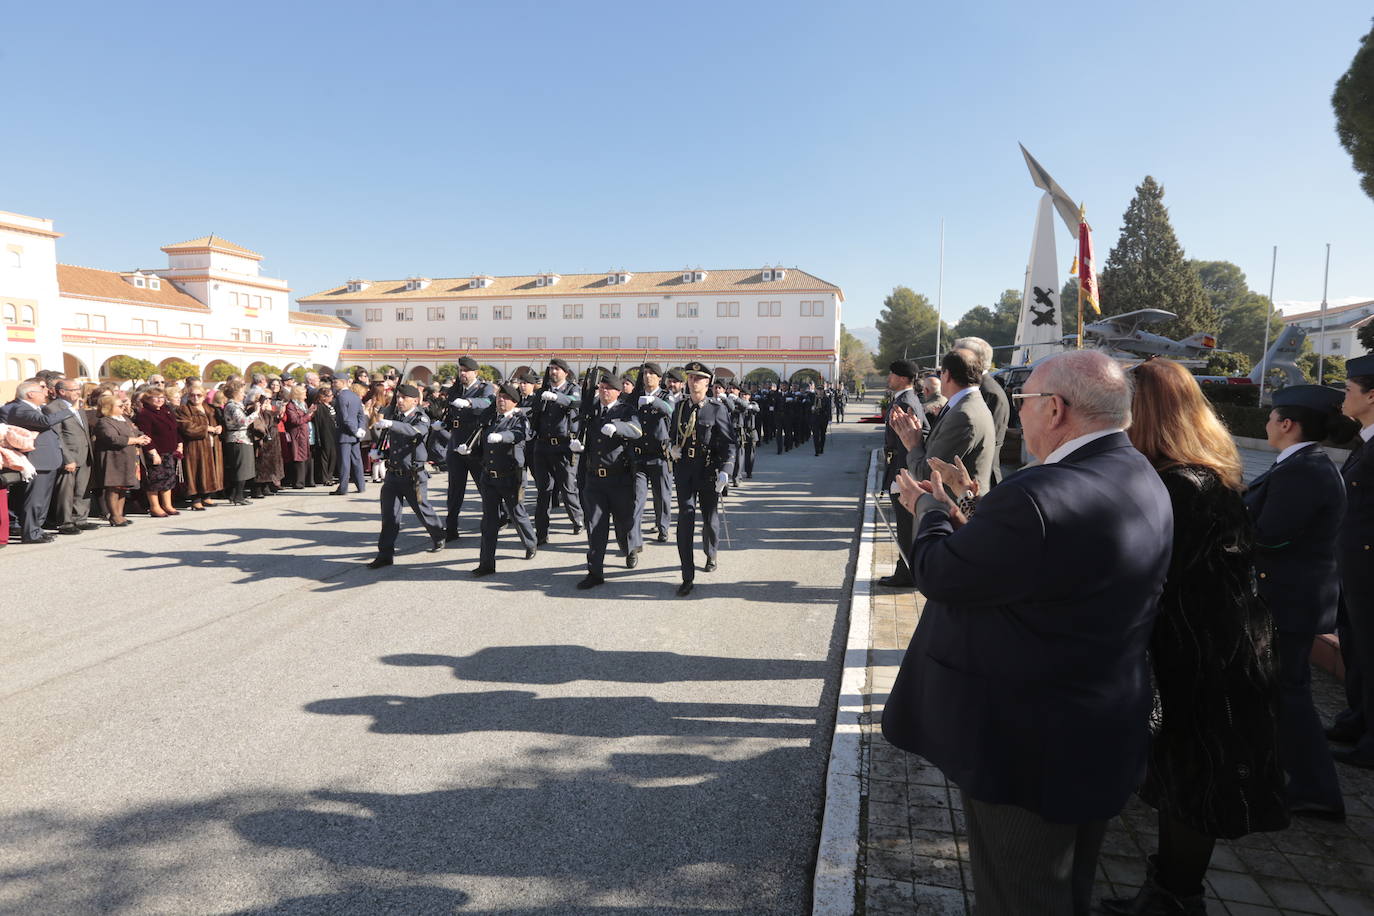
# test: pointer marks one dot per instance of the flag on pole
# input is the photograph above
(1087, 270)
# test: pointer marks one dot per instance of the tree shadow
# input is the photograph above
(564, 664)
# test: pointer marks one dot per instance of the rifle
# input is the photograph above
(385, 441)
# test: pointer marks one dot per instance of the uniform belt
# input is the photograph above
(615, 471)
(554, 440)
(498, 474)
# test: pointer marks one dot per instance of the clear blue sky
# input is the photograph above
(383, 140)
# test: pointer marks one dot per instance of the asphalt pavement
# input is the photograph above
(226, 713)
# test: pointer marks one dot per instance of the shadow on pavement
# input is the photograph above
(564, 664)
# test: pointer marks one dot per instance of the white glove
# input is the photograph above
(461, 402)
(646, 400)
(576, 446)
(550, 395)
(895, 489)
(463, 449)
(382, 424)
(722, 481)
(493, 438)
(359, 432)
(608, 429)
(675, 453)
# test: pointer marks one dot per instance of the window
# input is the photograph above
(184, 330)
(572, 343)
(234, 334)
(435, 313)
(686, 343)
(154, 283)
(83, 320)
(138, 281)
(371, 343)
(137, 325)
(257, 335)
(373, 315)
(16, 260)
(610, 310)
(610, 343)
(727, 309)
(340, 312)
(770, 309)
(813, 309)
(648, 310)
(14, 370)
(500, 343)
(467, 313)
(406, 314)
(687, 310)
(536, 343)
(467, 343)
(1335, 344)
(10, 313)
(26, 316)
(199, 330)
(404, 343)
(571, 310)
(436, 343)
(810, 343)
(727, 343)
(97, 322)
(770, 343)
(647, 343)
(535, 312)
(500, 312)
(151, 326)
(266, 336)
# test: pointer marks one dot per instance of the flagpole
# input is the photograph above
(1268, 319)
(940, 293)
(1321, 347)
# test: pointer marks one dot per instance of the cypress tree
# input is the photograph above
(1146, 269)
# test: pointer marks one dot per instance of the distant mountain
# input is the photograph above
(868, 335)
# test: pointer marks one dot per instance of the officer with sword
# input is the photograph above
(703, 447)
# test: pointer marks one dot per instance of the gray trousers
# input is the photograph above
(70, 505)
(1024, 865)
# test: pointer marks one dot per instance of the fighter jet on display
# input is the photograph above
(1121, 336)
(1283, 356)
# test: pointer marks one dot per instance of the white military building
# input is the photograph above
(780, 320)
(1336, 334)
(209, 306)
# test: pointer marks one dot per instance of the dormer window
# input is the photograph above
(154, 283)
(538, 281)
(139, 282)
(687, 276)
(773, 273)
(618, 277)
(357, 286)
(414, 283)
(480, 282)
(693, 276)
(546, 279)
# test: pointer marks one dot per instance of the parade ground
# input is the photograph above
(226, 713)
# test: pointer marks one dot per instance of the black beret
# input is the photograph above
(467, 362)
(612, 379)
(407, 391)
(675, 375)
(1316, 397)
(1360, 365)
(509, 390)
(732, 385)
(531, 377)
(655, 368)
(905, 368)
(561, 363)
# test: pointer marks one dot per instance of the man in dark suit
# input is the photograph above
(351, 423)
(905, 400)
(35, 496)
(1026, 681)
(1297, 506)
(993, 395)
(70, 509)
(964, 429)
(1355, 554)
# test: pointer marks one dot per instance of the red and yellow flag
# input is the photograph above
(19, 333)
(1087, 270)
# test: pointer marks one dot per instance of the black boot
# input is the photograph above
(1154, 900)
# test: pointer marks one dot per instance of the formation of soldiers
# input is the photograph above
(609, 449)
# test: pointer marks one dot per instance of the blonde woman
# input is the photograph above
(117, 442)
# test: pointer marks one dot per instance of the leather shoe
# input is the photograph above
(896, 582)
(633, 559)
(1321, 812)
(663, 537)
(577, 529)
(481, 571)
(435, 546)
(1342, 734)
(69, 529)
(338, 493)
(591, 581)
(710, 565)
(87, 526)
(541, 540)
(530, 552)
(1354, 757)
(45, 539)
(451, 538)
(684, 589)
(380, 561)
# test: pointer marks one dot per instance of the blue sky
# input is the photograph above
(443, 139)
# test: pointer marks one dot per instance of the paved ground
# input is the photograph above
(225, 713)
(914, 853)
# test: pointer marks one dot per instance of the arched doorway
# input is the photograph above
(73, 367)
(762, 376)
(217, 370)
(421, 374)
(722, 372)
(802, 376)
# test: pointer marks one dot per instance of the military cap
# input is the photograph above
(732, 385)
(1360, 365)
(467, 362)
(561, 363)
(531, 377)
(695, 367)
(905, 368)
(611, 379)
(675, 375)
(1315, 397)
(655, 368)
(407, 391)
(509, 390)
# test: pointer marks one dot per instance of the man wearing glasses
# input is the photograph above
(70, 505)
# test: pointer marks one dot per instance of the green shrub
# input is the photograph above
(1245, 421)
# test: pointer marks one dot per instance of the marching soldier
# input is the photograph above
(555, 424)
(782, 418)
(838, 397)
(529, 387)
(703, 446)
(820, 417)
(503, 477)
(676, 383)
(802, 413)
(722, 396)
(468, 399)
(767, 405)
(402, 451)
(608, 456)
(750, 434)
(652, 474)
(899, 378)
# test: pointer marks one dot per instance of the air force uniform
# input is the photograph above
(609, 461)
(703, 446)
(402, 452)
(505, 437)
(467, 406)
(554, 423)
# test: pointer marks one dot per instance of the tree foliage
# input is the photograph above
(1227, 363)
(1353, 102)
(764, 376)
(907, 327)
(490, 373)
(1242, 310)
(447, 371)
(996, 325)
(1366, 336)
(1333, 367)
(130, 367)
(179, 369)
(220, 372)
(856, 362)
(1146, 269)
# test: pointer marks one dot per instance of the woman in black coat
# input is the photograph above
(1213, 768)
(325, 451)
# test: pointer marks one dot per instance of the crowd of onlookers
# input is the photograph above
(74, 452)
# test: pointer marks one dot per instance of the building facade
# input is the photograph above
(1337, 334)
(210, 306)
(783, 321)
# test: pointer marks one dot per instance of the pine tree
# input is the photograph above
(906, 327)
(1147, 269)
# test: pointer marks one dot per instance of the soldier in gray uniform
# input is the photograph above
(553, 420)
(402, 451)
(468, 399)
(703, 446)
(506, 430)
(610, 490)
(652, 474)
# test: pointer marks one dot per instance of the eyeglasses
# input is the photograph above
(1021, 396)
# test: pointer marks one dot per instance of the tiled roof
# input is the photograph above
(212, 242)
(660, 282)
(111, 285)
(309, 318)
(1330, 310)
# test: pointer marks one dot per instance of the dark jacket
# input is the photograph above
(74, 436)
(1214, 761)
(296, 444)
(405, 442)
(653, 419)
(1026, 681)
(1355, 545)
(556, 418)
(995, 396)
(464, 423)
(47, 447)
(613, 454)
(1297, 507)
(348, 410)
(503, 463)
(116, 460)
(894, 450)
(704, 437)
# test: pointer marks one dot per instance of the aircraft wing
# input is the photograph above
(1128, 322)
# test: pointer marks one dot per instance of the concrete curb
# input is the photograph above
(835, 885)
